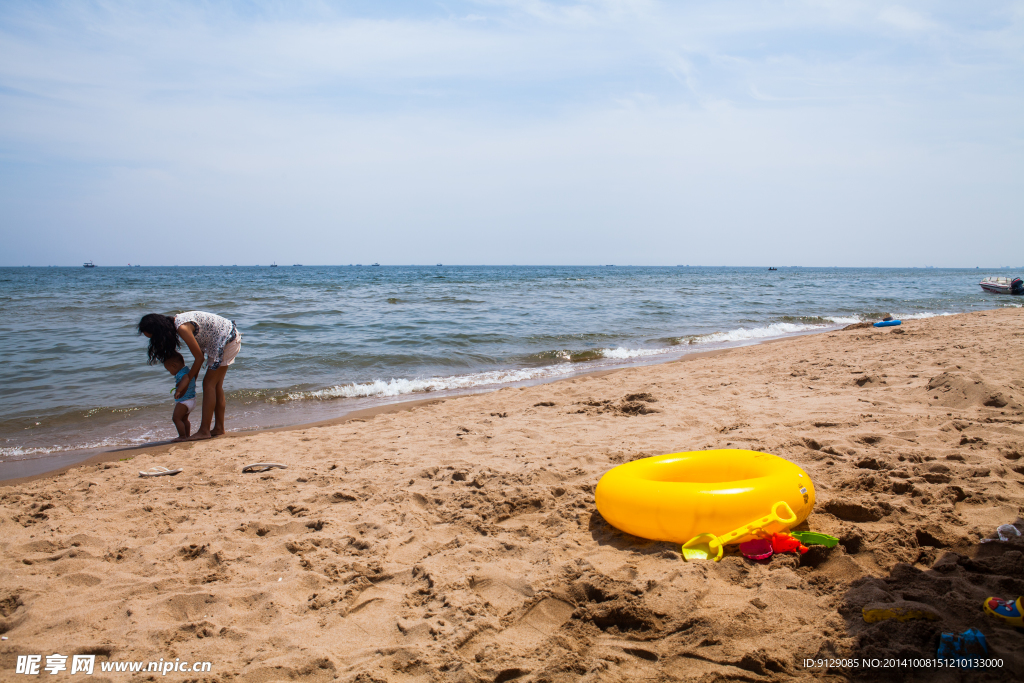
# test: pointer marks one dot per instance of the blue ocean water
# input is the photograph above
(321, 341)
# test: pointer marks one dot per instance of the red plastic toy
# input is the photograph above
(784, 543)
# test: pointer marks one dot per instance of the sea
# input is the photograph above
(322, 341)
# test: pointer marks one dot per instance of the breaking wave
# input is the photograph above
(790, 326)
(570, 364)
(9, 454)
(743, 334)
(401, 387)
(624, 354)
(18, 453)
(921, 316)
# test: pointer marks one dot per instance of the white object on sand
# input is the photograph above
(1005, 532)
(263, 466)
(159, 471)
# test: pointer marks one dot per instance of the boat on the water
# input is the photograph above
(88, 264)
(377, 265)
(1002, 285)
(273, 265)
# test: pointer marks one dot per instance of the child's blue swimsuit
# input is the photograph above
(191, 391)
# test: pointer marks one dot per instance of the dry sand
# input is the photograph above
(458, 540)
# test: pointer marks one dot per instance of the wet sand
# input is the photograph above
(457, 540)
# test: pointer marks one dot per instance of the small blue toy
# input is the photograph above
(964, 649)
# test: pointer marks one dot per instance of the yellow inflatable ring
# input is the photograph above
(678, 496)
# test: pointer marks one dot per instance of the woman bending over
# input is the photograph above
(209, 337)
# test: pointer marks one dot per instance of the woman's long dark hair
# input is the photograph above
(164, 338)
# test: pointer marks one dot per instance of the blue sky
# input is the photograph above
(812, 132)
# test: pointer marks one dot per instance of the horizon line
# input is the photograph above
(506, 265)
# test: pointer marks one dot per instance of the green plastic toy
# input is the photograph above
(814, 538)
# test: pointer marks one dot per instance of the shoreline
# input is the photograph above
(72, 459)
(287, 408)
(35, 468)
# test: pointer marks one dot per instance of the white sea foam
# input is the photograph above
(400, 387)
(624, 354)
(921, 316)
(782, 329)
(113, 441)
(749, 334)
(17, 453)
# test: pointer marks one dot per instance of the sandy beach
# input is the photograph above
(458, 540)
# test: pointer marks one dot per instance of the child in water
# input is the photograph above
(175, 365)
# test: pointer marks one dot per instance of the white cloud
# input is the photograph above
(907, 19)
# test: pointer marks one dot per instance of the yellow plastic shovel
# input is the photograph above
(705, 546)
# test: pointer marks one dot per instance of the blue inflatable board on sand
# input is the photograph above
(888, 323)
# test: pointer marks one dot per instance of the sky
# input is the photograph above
(746, 133)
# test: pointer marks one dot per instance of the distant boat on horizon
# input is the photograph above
(273, 265)
(377, 265)
(438, 264)
(296, 265)
(88, 264)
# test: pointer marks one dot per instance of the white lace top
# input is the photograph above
(211, 331)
